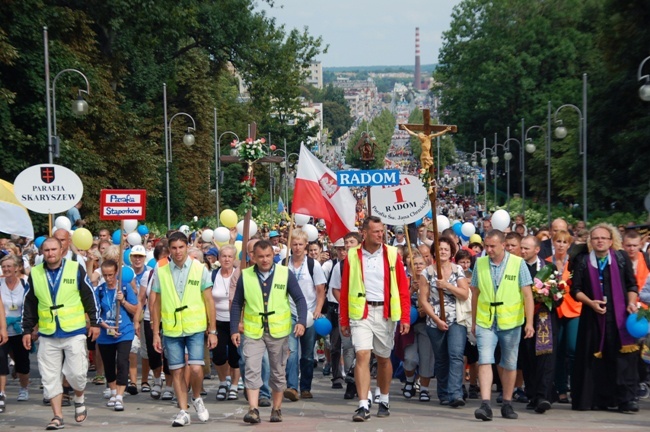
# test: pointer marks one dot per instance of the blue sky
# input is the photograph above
(369, 32)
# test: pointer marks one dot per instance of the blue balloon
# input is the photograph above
(323, 326)
(127, 256)
(127, 275)
(117, 237)
(414, 314)
(637, 328)
(143, 230)
(152, 263)
(38, 242)
(464, 237)
(458, 229)
(239, 237)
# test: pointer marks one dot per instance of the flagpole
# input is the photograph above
(291, 225)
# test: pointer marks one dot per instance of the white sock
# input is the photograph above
(157, 381)
(370, 394)
(113, 392)
(363, 403)
(118, 397)
(410, 380)
(377, 391)
(79, 399)
(223, 383)
(383, 398)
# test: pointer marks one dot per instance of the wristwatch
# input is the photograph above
(212, 332)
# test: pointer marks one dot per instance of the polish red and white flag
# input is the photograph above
(317, 194)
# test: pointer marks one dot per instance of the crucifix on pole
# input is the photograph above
(425, 132)
(250, 174)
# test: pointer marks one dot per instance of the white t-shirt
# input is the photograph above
(335, 282)
(145, 282)
(12, 300)
(373, 274)
(221, 296)
(307, 285)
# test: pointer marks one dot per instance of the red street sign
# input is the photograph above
(121, 204)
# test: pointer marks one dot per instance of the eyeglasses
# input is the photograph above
(601, 238)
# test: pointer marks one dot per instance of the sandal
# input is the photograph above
(222, 393)
(232, 394)
(424, 396)
(111, 402)
(55, 424)
(80, 412)
(119, 406)
(408, 391)
(99, 380)
(145, 387)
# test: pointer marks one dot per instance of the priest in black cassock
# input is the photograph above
(605, 371)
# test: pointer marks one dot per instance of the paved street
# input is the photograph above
(328, 411)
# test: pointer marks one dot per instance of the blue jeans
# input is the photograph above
(307, 342)
(175, 350)
(265, 391)
(566, 352)
(508, 340)
(448, 349)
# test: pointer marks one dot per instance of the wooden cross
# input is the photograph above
(428, 131)
(248, 216)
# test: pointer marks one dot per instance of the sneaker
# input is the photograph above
(520, 395)
(508, 412)
(182, 419)
(361, 414)
(132, 389)
(291, 394)
(457, 403)
(264, 402)
(167, 395)
(201, 410)
(629, 407)
(107, 393)
(2, 402)
(350, 391)
(23, 395)
(473, 392)
(306, 394)
(327, 369)
(484, 412)
(276, 416)
(383, 410)
(155, 391)
(240, 384)
(253, 416)
(542, 406)
(644, 391)
(337, 385)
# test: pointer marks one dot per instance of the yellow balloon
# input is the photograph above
(228, 218)
(222, 244)
(238, 246)
(82, 239)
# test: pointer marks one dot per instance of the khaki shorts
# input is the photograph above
(374, 333)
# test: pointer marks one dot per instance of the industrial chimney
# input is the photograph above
(416, 78)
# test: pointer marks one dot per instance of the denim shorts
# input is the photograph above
(508, 340)
(177, 347)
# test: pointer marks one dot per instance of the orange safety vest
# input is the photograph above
(642, 270)
(570, 308)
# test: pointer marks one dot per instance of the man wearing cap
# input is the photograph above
(279, 250)
(212, 255)
(400, 238)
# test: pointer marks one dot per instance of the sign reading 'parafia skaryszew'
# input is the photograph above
(48, 188)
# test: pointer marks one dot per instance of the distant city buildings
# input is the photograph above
(315, 75)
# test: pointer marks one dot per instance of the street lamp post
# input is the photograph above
(495, 159)
(484, 161)
(644, 90)
(217, 161)
(79, 105)
(561, 133)
(188, 140)
(526, 143)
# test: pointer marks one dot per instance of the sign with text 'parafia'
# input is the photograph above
(401, 204)
(48, 188)
(121, 204)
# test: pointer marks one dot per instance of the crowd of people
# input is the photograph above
(463, 314)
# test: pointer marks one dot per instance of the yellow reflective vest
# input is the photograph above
(184, 316)
(357, 288)
(507, 306)
(66, 306)
(276, 309)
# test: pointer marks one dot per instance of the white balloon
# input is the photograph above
(252, 228)
(130, 225)
(221, 235)
(184, 229)
(134, 238)
(311, 231)
(54, 230)
(468, 229)
(443, 223)
(310, 319)
(63, 222)
(500, 220)
(301, 219)
(207, 235)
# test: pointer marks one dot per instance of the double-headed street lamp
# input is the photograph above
(495, 159)
(79, 105)
(188, 140)
(217, 161)
(484, 161)
(561, 133)
(644, 90)
(525, 146)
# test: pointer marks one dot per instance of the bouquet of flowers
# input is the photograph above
(548, 286)
(249, 150)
